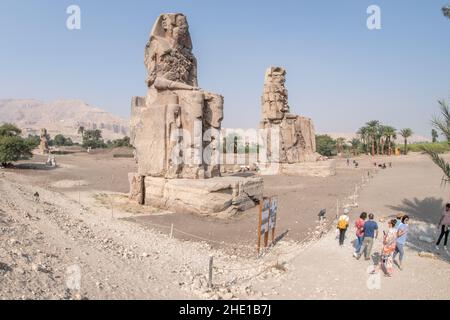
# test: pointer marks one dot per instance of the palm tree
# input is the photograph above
(434, 135)
(390, 134)
(406, 133)
(443, 125)
(382, 137)
(355, 143)
(372, 128)
(340, 144)
(81, 131)
(364, 135)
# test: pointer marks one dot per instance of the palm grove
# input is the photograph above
(374, 138)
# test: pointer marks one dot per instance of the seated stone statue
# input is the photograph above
(170, 125)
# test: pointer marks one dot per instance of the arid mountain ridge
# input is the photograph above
(66, 116)
(61, 117)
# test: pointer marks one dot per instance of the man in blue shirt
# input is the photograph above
(402, 234)
(370, 233)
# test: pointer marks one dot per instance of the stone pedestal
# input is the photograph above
(176, 128)
(306, 169)
(215, 196)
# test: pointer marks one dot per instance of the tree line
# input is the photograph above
(15, 147)
(373, 138)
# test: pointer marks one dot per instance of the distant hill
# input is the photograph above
(349, 136)
(61, 117)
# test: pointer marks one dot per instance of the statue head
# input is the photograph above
(173, 26)
(276, 76)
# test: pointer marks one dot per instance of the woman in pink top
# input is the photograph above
(444, 223)
(359, 226)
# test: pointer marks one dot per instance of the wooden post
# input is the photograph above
(337, 208)
(79, 192)
(171, 231)
(112, 209)
(259, 225)
(112, 204)
(211, 260)
(266, 239)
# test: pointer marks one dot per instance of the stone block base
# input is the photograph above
(324, 168)
(220, 195)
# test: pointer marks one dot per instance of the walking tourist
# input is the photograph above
(398, 219)
(343, 226)
(389, 245)
(370, 233)
(402, 234)
(444, 223)
(359, 226)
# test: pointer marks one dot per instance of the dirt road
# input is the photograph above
(300, 198)
(325, 271)
(56, 248)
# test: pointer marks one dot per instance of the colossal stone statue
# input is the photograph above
(289, 139)
(176, 130)
(175, 111)
(43, 145)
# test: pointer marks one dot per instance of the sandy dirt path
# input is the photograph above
(42, 243)
(325, 271)
(49, 243)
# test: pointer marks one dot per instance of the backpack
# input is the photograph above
(342, 224)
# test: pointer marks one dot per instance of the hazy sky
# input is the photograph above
(339, 73)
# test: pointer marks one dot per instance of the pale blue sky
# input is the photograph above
(339, 73)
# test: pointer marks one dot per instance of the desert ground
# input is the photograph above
(84, 228)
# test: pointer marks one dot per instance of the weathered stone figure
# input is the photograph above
(169, 124)
(289, 139)
(43, 146)
(296, 134)
(176, 129)
(168, 54)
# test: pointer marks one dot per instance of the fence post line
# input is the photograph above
(211, 261)
(79, 192)
(337, 208)
(112, 210)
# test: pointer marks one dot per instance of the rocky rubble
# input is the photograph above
(43, 240)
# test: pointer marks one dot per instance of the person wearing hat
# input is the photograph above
(343, 226)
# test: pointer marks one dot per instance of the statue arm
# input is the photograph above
(165, 84)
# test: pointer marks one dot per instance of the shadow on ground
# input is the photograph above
(423, 230)
(280, 237)
(34, 166)
(428, 210)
